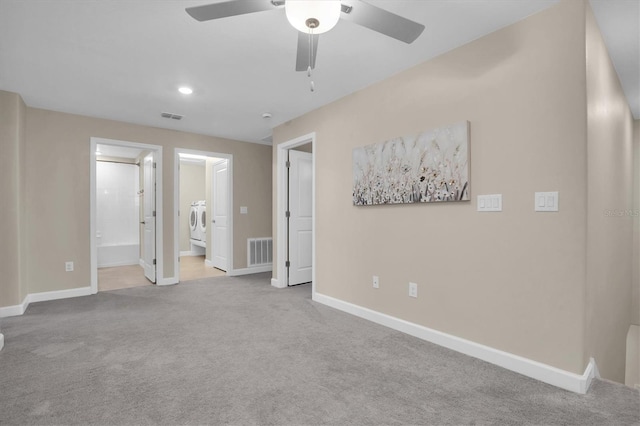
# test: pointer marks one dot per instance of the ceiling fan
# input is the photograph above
(313, 17)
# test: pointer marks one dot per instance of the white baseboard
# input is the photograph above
(11, 311)
(1, 341)
(249, 271)
(14, 310)
(208, 263)
(275, 283)
(527, 367)
(167, 281)
(59, 294)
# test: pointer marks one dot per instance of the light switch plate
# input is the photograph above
(490, 203)
(546, 201)
(413, 290)
(243, 210)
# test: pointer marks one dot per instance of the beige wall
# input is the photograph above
(636, 226)
(192, 185)
(57, 191)
(610, 204)
(512, 280)
(12, 141)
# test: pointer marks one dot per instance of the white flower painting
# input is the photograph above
(430, 167)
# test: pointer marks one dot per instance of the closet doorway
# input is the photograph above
(203, 214)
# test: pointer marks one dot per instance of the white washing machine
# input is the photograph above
(194, 221)
(202, 219)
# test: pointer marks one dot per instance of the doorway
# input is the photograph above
(295, 213)
(125, 205)
(203, 226)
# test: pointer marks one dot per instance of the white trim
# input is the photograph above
(527, 367)
(1, 341)
(167, 281)
(208, 263)
(176, 205)
(277, 284)
(157, 149)
(15, 310)
(59, 294)
(281, 183)
(249, 271)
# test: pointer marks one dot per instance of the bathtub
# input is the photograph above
(118, 255)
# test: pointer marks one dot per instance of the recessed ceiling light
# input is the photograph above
(185, 90)
(266, 115)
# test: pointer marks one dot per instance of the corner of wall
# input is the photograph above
(611, 225)
(636, 225)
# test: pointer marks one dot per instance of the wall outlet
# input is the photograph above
(68, 266)
(376, 282)
(413, 290)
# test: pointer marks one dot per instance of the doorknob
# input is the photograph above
(143, 222)
(213, 221)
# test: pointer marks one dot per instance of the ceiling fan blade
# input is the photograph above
(302, 60)
(225, 9)
(382, 21)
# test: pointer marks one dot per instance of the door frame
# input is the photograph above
(176, 206)
(93, 243)
(282, 152)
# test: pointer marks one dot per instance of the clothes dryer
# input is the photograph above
(202, 219)
(194, 225)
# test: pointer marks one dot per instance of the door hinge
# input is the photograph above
(154, 261)
(287, 213)
(287, 264)
(154, 165)
(287, 164)
(154, 213)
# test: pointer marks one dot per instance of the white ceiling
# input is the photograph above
(124, 60)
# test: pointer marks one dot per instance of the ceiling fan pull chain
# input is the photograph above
(312, 86)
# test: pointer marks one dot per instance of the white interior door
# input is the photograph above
(220, 215)
(300, 217)
(149, 213)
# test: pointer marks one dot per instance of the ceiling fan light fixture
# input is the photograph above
(318, 16)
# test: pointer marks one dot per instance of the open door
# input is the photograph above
(220, 215)
(300, 214)
(149, 213)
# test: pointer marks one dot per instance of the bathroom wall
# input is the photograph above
(192, 184)
(117, 215)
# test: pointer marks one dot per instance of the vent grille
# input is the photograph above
(171, 115)
(259, 251)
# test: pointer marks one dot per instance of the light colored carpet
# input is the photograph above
(242, 352)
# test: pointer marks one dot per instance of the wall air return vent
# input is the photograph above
(171, 115)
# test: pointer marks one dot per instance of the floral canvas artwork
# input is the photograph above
(430, 167)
